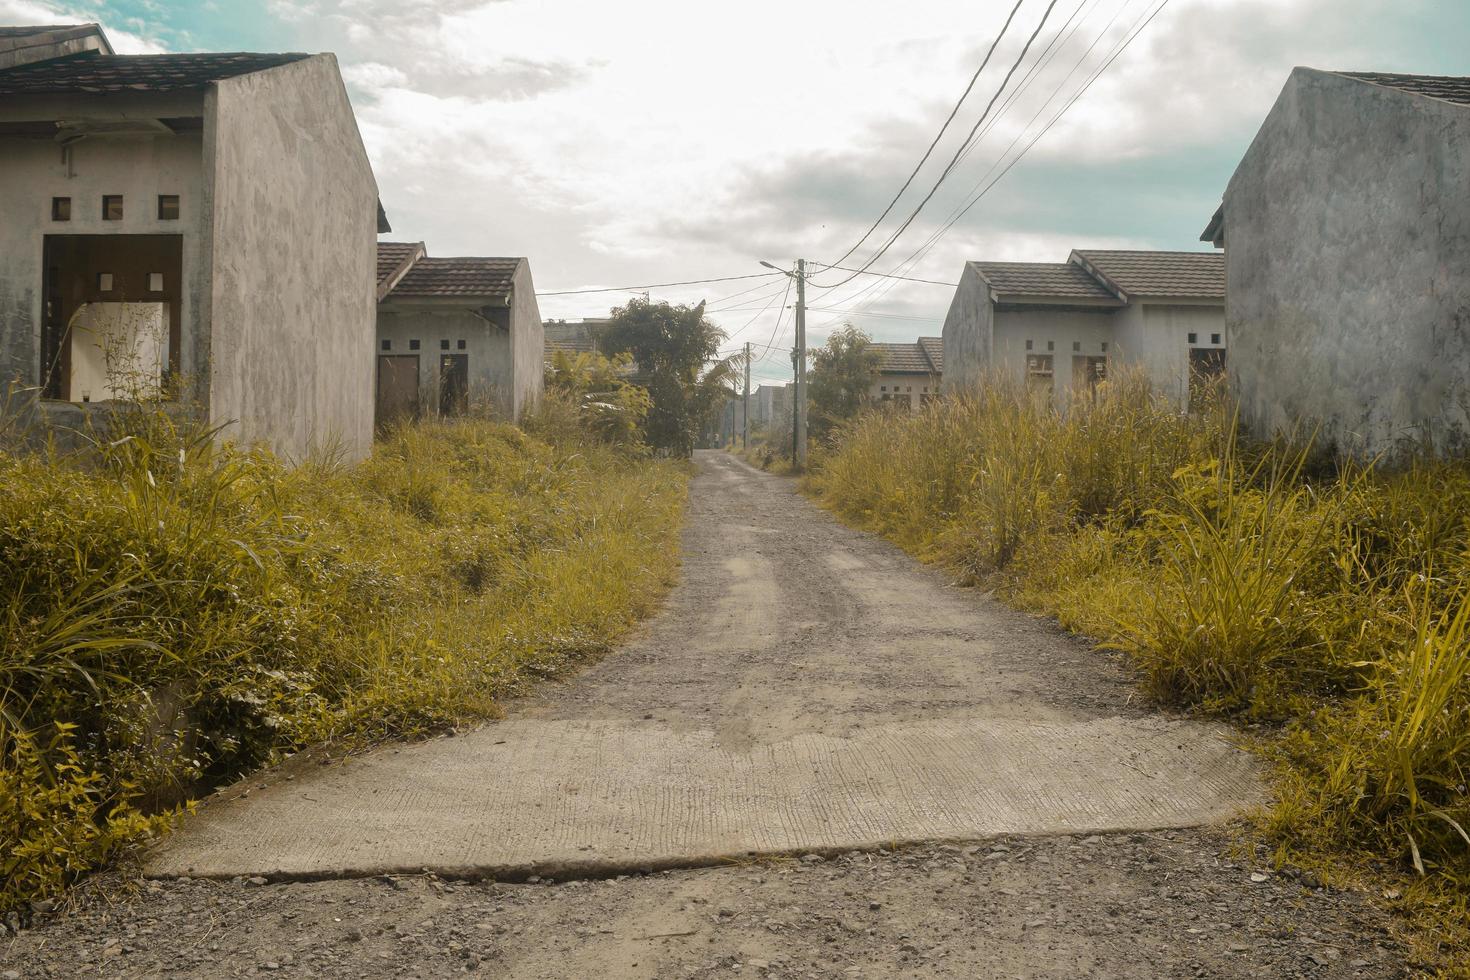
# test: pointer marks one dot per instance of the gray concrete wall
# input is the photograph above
(967, 332)
(1347, 231)
(1155, 337)
(1059, 328)
(913, 388)
(293, 261)
(33, 171)
(488, 346)
(527, 344)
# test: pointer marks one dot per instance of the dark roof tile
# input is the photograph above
(1052, 280)
(1181, 275)
(458, 277)
(918, 357)
(1450, 88)
(107, 74)
(392, 256)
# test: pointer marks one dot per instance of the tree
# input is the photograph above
(842, 374)
(603, 403)
(677, 353)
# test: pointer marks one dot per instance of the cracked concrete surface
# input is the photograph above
(808, 689)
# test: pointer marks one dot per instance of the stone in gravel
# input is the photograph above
(874, 906)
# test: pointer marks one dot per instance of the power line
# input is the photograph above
(884, 275)
(885, 316)
(1128, 40)
(957, 214)
(942, 129)
(658, 285)
(955, 159)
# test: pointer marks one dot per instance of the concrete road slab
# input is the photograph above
(807, 688)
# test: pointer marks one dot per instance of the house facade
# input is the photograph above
(1060, 326)
(206, 220)
(453, 332)
(909, 375)
(1346, 236)
(768, 403)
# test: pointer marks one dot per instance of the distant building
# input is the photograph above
(454, 332)
(1346, 231)
(1061, 325)
(909, 374)
(575, 335)
(209, 219)
(768, 403)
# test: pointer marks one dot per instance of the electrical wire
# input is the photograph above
(942, 129)
(949, 168)
(657, 285)
(920, 252)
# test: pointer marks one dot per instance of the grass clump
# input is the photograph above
(175, 613)
(1328, 602)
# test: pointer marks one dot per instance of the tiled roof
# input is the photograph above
(913, 358)
(392, 256)
(1450, 88)
(104, 74)
(1184, 275)
(1058, 280)
(458, 277)
(933, 348)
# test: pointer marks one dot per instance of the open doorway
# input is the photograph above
(454, 384)
(111, 326)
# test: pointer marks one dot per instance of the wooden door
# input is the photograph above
(454, 384)
(398, 388)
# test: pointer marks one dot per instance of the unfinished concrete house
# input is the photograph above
(455, 332)
(201, 225)
(1061, 326)
(908, 374)
(1346, 231)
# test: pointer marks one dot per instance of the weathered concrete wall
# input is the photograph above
(527, 343)
(1054, 332)
(915, 389)
(1155, 337)
(1347, 231)
(293, 259)
(33, 171)
(488, 348)
(967, 332)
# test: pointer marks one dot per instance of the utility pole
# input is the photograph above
(798, 365)
(745, 441)
(800, 419)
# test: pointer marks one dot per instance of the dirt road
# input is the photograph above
(847, 767)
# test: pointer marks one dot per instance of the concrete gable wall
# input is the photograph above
(967, 332)
(527, 343)
(293, 261)
(1348, 266)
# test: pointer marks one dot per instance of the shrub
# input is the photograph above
(1238, 577)
(189, 612)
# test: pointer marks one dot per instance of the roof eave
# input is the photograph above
(396, 276)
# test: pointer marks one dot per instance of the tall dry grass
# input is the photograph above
(1238, 578)
(174, 613)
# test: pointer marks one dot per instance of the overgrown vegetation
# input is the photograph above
(676, 352)
(1330, 603)
(174, 613)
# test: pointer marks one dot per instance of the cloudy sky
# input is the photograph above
(648, 141)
